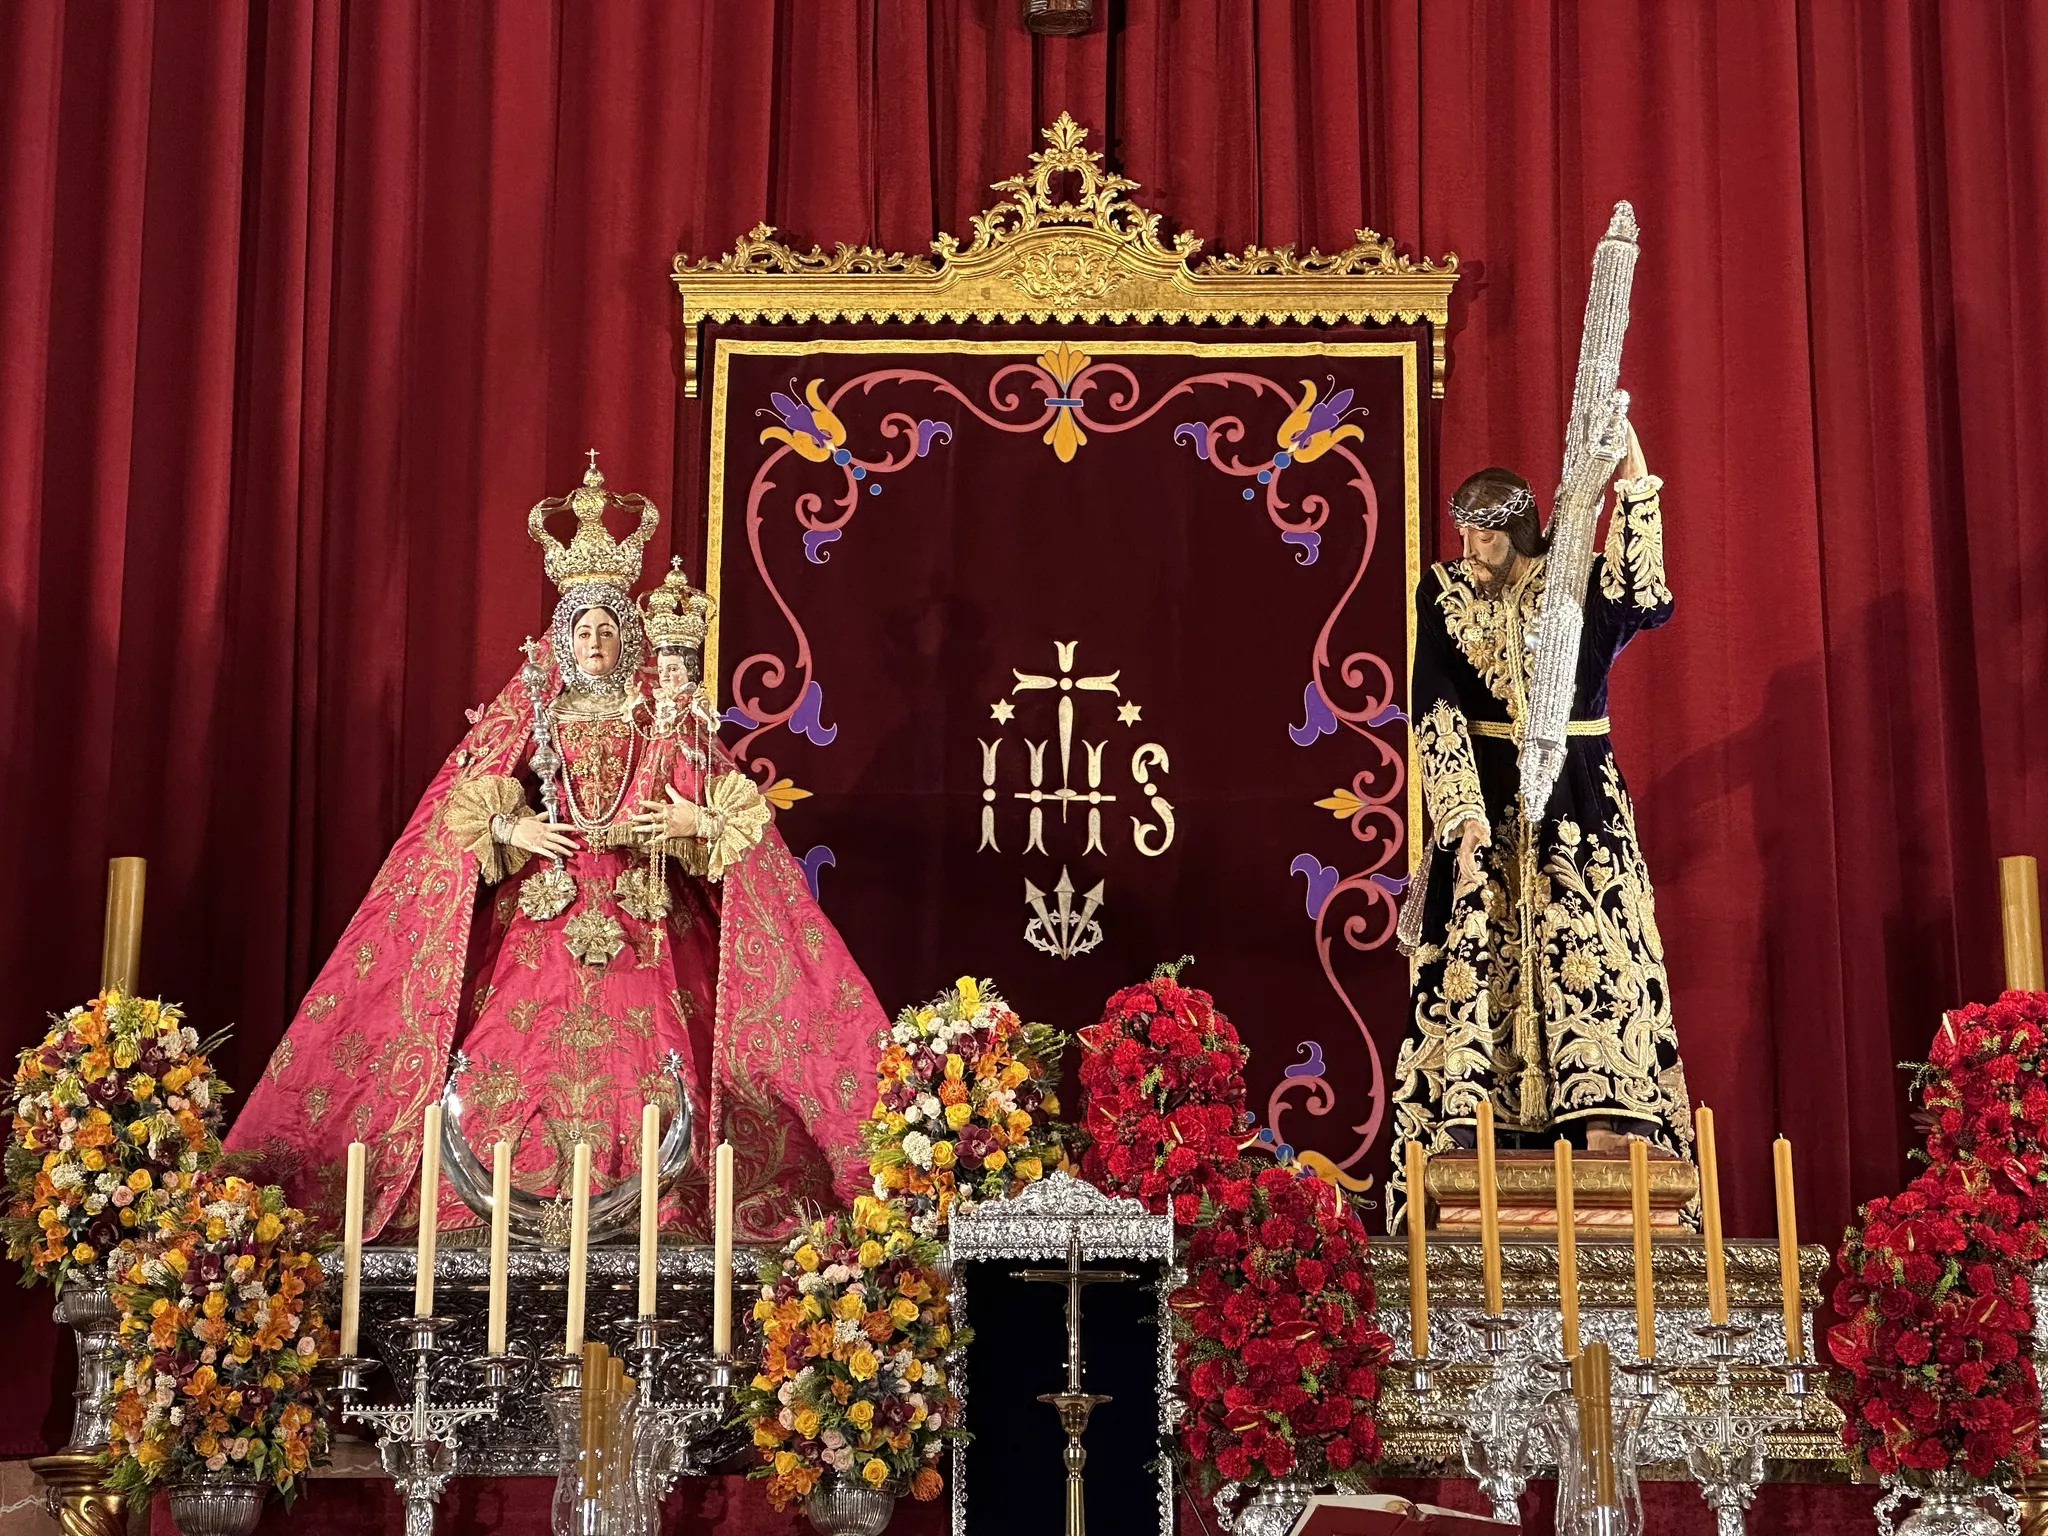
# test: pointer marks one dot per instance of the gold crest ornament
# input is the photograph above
(1066, 242)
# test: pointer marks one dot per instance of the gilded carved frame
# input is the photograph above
(1038, 257)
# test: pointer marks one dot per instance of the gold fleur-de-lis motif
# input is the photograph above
(1065, 364)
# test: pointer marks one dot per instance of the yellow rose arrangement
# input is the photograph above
(221, 1326)
(855, 1328)
(964, 1105)
(116, 1112)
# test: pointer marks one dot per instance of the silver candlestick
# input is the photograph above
(673, 1425)
(1500, 1452)
(1421, 1373)
(1724, 1445)
(416, 1441)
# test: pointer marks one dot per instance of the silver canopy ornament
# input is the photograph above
(1595, 440)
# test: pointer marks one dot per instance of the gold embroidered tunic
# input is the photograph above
(1544, 988)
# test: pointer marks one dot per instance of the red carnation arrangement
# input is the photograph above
(1162, 1085)
(1984, 1087)
(1935, 1294)
(1274, 1334)
(1936, 1333)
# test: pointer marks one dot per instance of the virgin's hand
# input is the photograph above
(543, 837)
(1472, 836)
(654, 820)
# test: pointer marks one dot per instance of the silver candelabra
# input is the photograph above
(1521, 1419)
(676, 1422)
(1724, 1442)
(416, 1441)
(1501, 1442)
(671, 1425)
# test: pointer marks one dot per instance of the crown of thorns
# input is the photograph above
(1498, 516)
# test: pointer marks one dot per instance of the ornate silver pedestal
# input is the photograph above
(78, 1498)
(1057, 1216)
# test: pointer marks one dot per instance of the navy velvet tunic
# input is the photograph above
(1543, 987)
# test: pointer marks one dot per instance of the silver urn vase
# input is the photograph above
(1951, 1504)
(86, 1307)
(75, 1476)
(217, 1504)
(846, 1506)
(1270, 1509)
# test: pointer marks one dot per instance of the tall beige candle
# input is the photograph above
(1710, 1202)
(1418, 1251)
(721, 1251)
(1788, 1248)
(650, 1204)
(430, 1211)
(1646, 1274)
(2019, 893)
(352, 1248)
(1489, 1211)
(501, 1241)
(579, 1246)
(1567, 1250)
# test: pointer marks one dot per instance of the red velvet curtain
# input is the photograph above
(302, 305)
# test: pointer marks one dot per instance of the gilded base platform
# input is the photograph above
(1527, 1184)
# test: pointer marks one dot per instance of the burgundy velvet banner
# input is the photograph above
(1089, 650)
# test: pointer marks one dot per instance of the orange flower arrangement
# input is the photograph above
(964, 1105)
(221, 1326)
(115, 1113)
(855, 1329)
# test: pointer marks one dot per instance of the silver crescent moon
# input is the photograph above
(541, 1221)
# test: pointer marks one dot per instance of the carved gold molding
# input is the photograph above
(1531, 1180)
(1036, 256)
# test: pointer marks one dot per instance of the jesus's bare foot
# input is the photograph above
(1602, 1137)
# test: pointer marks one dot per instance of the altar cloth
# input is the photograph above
(729, 1506)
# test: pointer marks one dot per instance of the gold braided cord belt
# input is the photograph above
(1507, 730)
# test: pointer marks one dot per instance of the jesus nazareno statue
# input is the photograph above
(1538, 972)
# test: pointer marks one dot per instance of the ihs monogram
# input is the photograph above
(1079, 793)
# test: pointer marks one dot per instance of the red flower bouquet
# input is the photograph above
(1935, 1296)
(1937, 1332)
(1984, 1087)
(1278, 1354)
(1162, 1087)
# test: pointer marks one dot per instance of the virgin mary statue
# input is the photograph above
(586, 887)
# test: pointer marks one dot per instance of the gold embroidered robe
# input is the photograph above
(1545, 988)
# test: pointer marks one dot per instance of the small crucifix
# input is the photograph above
(1074, 1405)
